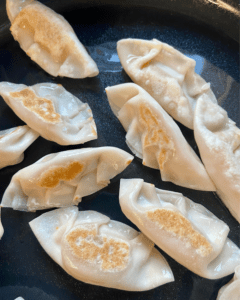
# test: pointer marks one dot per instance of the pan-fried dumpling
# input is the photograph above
(94, 249)
(186, 231)
(218, 140)
(153, 136)
(166, 74)
(13, 143)
(53, 112)
(62, 179)
(49, 40)
(1, 227)
(231, 291)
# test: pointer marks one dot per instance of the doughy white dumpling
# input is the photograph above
(1, 227)
(231, 291)
(62, 179)
(153, 136)
(186, 231)
(218, 140)
(49, 40)
(13, 143)
(166, 74)
(94, 249)
(53, 112)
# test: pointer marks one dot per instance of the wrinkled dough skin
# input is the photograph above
(62, 179)
(232, 289)
(186, 231)
(218, 140)
(153, 136)
(166, 74)
(53, 112)
(49, 40)
(13, 143)
(96, 250)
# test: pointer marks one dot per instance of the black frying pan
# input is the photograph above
(206, 30)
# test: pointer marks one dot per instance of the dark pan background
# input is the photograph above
(205, 31)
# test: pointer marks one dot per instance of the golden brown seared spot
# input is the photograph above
(85, 243)
(128, 162)
(155, 135)
(52, 177)
(174, 222)
(47, 34)
(42, 107)
(93, 129)
(146, 64)
(162, 157)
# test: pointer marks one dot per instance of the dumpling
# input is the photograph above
(62, 179)
(53, 112)
(218, 140)
(13, 143)
(49, 40)
(166, 74)
(153, 136)
(1, 227)
(186, 231)
(231, 291)
(94, 249)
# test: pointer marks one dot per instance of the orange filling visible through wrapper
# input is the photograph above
(111, 253)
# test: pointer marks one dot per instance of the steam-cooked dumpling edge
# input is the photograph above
(53, 112)
(13, 143)
(153, 136)
(218, 140)
(49, 40)
(186, 231)
(94, 249)
(166, 74)
(231, 291)
(14, 7)
(62, 179)
(1, 227)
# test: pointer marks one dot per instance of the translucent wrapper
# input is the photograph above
(166, 74)
(186, 231)
(49, 40)
(53, 112)
(13, 143)
(62, 179)
(94, 249)
(153, 136)
(218, 140)
(231, 291)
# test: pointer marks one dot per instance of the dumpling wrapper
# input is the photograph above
(62, 179)
(218, 140)
(186, 231)
(53, 112)
(96, 250)
(231, 291)
(49, 40)
(1, 227)
(153, 136)
(13, 143)
(166, 74)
